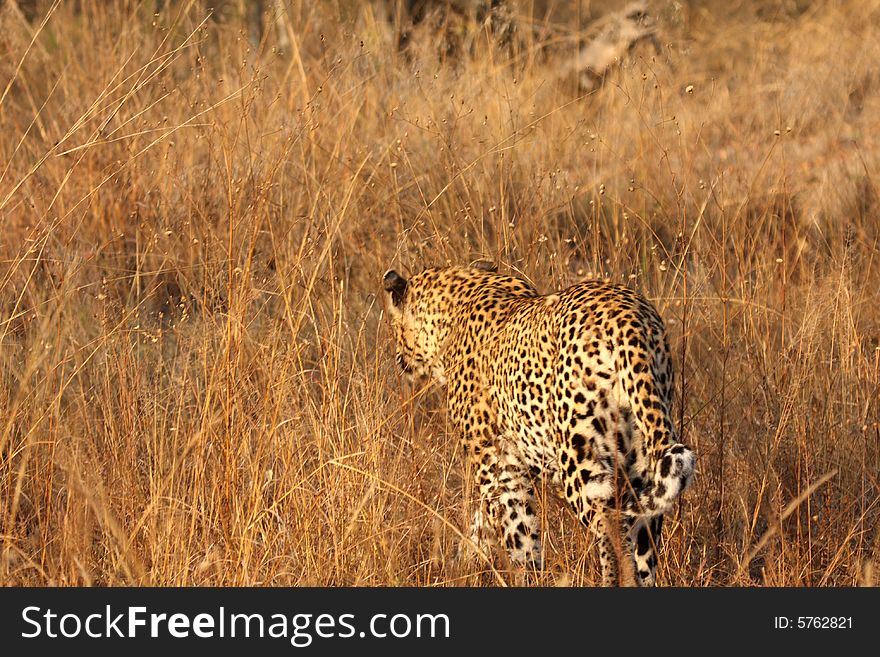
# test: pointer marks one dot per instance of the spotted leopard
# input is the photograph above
(574, 386)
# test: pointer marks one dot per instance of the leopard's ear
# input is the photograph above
(485, 265)
(395, 285)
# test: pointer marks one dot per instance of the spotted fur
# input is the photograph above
(574, 386)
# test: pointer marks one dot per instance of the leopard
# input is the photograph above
(573, 389)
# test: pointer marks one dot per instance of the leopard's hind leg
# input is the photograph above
(644, 540)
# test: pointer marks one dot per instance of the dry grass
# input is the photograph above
(197, 384)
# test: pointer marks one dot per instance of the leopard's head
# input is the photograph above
(418, 309)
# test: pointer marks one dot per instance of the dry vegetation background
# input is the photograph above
(196, 380)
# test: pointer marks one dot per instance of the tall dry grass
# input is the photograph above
(197, 383)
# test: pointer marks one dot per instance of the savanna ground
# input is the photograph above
(198, 385)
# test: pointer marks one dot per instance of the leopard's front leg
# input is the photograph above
(507, 501)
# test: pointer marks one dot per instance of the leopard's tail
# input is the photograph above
(670, 463)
